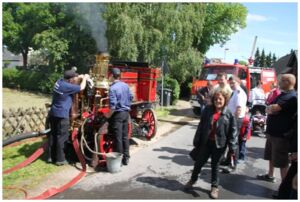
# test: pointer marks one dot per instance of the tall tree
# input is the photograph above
(150, 32)
(221, 20)
(274, 58)
(21, 22)
(269, 60)
(262, 60)
(256, 58)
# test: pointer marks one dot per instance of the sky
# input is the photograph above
(274, 24)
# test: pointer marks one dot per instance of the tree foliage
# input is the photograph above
(69, 34)
(221, 20)
(21, 21)
(263, 60)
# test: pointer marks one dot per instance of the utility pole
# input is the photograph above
(226, 49)
(162, 84)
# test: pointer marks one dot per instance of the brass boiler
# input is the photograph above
(100, 70)
(99, 75)
(98, 96)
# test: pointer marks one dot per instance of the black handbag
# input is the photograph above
(194, 153)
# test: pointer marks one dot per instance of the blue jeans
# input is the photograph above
(242, 148)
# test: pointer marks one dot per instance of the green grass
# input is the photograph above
(28, 176)
(162, 112)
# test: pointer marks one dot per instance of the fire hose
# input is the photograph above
(83, 142)
(53, 190)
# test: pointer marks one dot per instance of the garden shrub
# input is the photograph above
(10, 77)
(29, 80)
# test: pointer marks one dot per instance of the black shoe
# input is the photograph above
(266, 177)
(49, 160)
(125, 161)
(225, 163)
(61, 163)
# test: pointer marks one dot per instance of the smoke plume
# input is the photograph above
(91, 14)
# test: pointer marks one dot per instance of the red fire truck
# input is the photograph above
(209, 73)
(248, 75)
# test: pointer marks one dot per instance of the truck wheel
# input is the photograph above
(197, 111)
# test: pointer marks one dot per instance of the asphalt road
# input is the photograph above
(160, 171)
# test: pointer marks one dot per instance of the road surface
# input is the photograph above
(160, 171)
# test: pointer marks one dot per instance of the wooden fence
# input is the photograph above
(18, 121)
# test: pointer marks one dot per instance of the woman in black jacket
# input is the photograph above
(215, 131)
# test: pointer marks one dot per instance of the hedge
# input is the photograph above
(29, 80)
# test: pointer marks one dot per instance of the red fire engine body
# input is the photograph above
(249, 76)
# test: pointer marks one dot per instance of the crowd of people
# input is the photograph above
(221, 135)
(225, 127)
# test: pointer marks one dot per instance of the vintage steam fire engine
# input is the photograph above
(90, 106)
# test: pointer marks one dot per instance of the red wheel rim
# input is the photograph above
(150, 119)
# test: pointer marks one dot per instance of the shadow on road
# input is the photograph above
(240, 184)
(182, 123)
(170, 184)
(188, 112)
(182, 158)
(255, 152)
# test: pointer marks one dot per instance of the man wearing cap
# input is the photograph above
(120, 99)
(63, 91)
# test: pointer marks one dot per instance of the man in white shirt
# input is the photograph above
(257, 95)
(237, 106)
(238, 98)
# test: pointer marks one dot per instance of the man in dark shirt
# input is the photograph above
(63, 92)
(203, 94)
(120, 99)
(280, 120)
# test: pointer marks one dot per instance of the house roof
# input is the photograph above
(9, 56)
(287, 63)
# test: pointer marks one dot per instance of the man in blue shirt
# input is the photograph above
(63, 92)
(120, 99)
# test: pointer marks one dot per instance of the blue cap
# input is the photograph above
(70, 74)
(115, 71)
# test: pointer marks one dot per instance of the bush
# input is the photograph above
(29, 80)
(10, 77)
(46, 85)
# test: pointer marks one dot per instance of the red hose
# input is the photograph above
(29, 160)
(53, 190)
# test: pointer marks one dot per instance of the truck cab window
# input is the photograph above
(242, 74)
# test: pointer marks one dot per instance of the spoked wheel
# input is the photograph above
(150, 123)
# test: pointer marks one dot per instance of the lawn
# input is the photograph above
(29, 176)
(16, 99)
